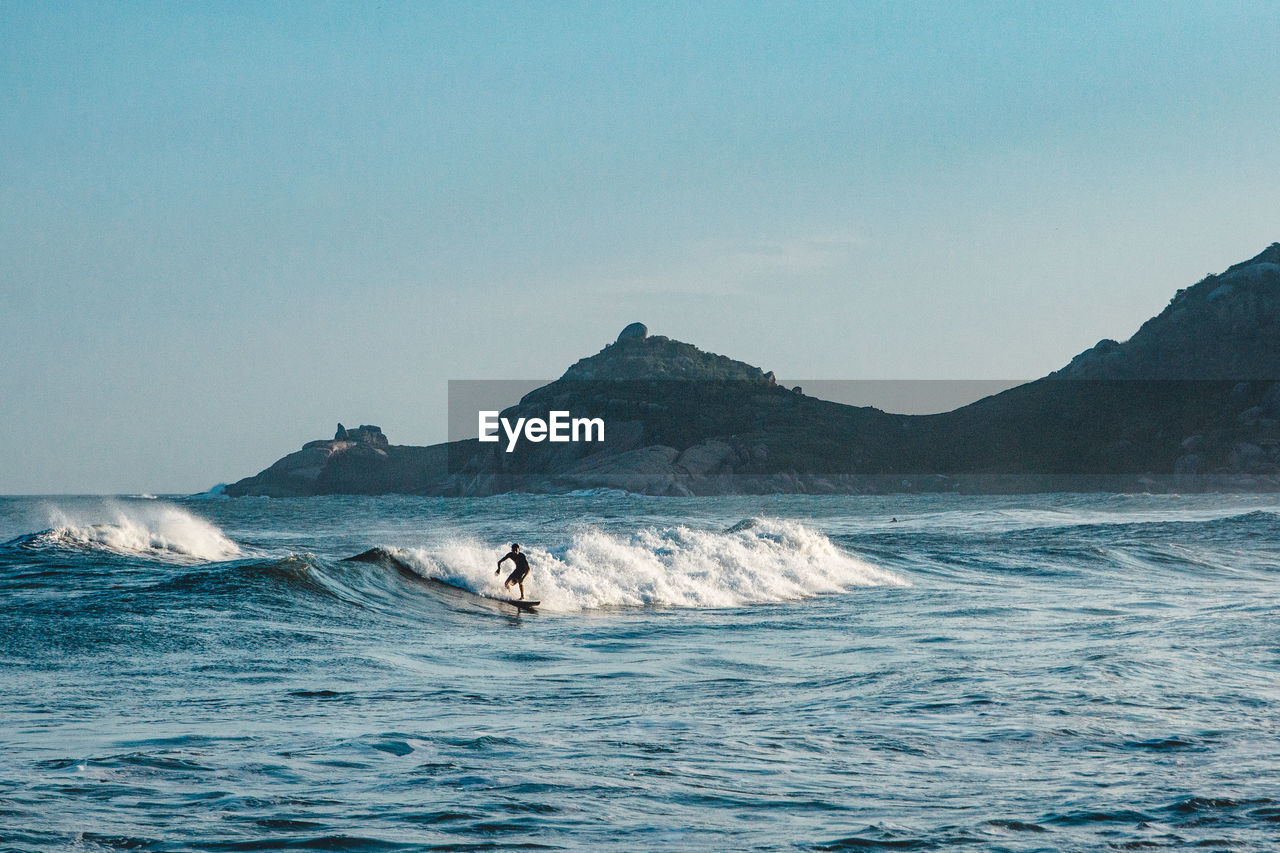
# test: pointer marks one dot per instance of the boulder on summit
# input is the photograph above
(635, 331)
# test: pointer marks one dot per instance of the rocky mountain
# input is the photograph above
(359, 461)
(1224, 328)
(1192, 393)
(1189, 402)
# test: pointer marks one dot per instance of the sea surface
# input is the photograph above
(1051, 672)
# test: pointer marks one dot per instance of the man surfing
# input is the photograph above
(522, 568)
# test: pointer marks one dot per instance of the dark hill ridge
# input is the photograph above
(1226, 327)
(1188, 402)
(638, 356)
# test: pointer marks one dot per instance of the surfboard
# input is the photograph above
(521, 603)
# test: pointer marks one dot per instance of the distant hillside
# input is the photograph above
(1188, 402)
(1226, 327)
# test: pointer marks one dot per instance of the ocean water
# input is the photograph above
(1053, 672)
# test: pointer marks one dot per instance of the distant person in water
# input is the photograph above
(522, 568)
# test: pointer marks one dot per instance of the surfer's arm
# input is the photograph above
(498, 570)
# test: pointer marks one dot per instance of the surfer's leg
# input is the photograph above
(522, 590)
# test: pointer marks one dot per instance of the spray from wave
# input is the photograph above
(751, 563)
(152, 530)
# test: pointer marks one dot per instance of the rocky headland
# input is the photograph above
(1190, 402)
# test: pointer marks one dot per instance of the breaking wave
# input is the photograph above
(753, 562)
(153, 530)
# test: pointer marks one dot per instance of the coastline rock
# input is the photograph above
(1247, 457)
(706, 458)
(1189, 464)
(645, 470)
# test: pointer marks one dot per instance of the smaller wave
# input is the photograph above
(1072, 519)
(153, 530)
(602, 492)
(1257, 516)
(755, 562)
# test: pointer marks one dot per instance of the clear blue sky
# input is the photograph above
(226, 227)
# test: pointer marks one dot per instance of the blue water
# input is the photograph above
(1055, 672)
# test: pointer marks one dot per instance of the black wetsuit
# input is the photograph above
(521, 569)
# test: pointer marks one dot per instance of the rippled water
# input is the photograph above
(1054, 672)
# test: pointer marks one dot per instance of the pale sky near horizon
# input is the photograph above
(228, 226)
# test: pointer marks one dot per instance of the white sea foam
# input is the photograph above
(753, 562)
(155, 530)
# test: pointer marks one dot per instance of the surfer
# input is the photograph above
(518, 574)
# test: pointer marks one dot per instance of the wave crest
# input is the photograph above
(756, 562)
(153, 530)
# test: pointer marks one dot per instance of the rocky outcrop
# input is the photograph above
(363, 463)
(1224, 328)
(1191, 401)
(635, 331)
(1215, 347)
(364, 433)
(638, 356)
